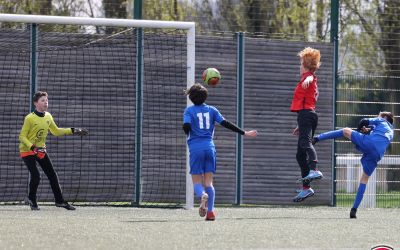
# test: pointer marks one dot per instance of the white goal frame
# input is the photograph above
(188, 26)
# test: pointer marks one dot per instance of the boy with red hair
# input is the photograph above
(304, 104)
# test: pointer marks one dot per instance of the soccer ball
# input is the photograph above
(211, 76)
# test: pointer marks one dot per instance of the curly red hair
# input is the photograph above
(310, 58)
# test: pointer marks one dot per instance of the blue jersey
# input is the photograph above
(381, 134)
(201, 119)
(381, 127)
(374, 145)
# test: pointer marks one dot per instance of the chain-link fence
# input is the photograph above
(369, 49)
(363, 97)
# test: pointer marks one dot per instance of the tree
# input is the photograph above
(115, 9)
(322, 7)
(170, 10)
(44, 7)
(373, 31)
(272, 19)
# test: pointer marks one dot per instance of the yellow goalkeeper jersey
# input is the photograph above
(35, 130)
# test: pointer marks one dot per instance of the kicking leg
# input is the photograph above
(329, 135)
(346, 132)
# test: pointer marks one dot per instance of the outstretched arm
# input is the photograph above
(55, 130)
(231, 126)
(234, 128)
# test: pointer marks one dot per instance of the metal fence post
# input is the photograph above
(335, 41)
(239, 113)
(33, 66)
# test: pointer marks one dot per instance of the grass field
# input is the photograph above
(235, 228)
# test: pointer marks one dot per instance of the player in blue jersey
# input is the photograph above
(372, 138)
(198, 124)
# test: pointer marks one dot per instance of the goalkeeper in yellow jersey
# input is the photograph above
(32, 149)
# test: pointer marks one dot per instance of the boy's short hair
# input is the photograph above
(37, 95)
(310, 58)
(197, 94)
(387, 115)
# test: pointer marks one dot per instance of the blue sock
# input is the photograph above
(198, 189)
(211, 197)
(330, 135)
(360, 195)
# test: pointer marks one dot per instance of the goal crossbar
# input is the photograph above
(96, 21)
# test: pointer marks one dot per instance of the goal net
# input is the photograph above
(123, 80)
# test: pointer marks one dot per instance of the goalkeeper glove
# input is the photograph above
(39, 152)
(80, 131)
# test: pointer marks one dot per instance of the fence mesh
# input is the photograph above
(362, 97)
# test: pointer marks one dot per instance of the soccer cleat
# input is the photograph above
(304, 194)
(353, 212)
(210, 216)
(33, 204)
(203, 205)
(65, 205)
(313, 175)
(314, 140)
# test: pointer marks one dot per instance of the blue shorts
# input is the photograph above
(365, 144)
(203, 161)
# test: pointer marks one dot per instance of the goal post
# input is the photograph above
(98, 60)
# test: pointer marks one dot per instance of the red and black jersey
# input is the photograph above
(305, 98)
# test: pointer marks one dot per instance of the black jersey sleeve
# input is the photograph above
(186, 128)
(232, 127)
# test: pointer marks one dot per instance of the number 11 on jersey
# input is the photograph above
(201, 121)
